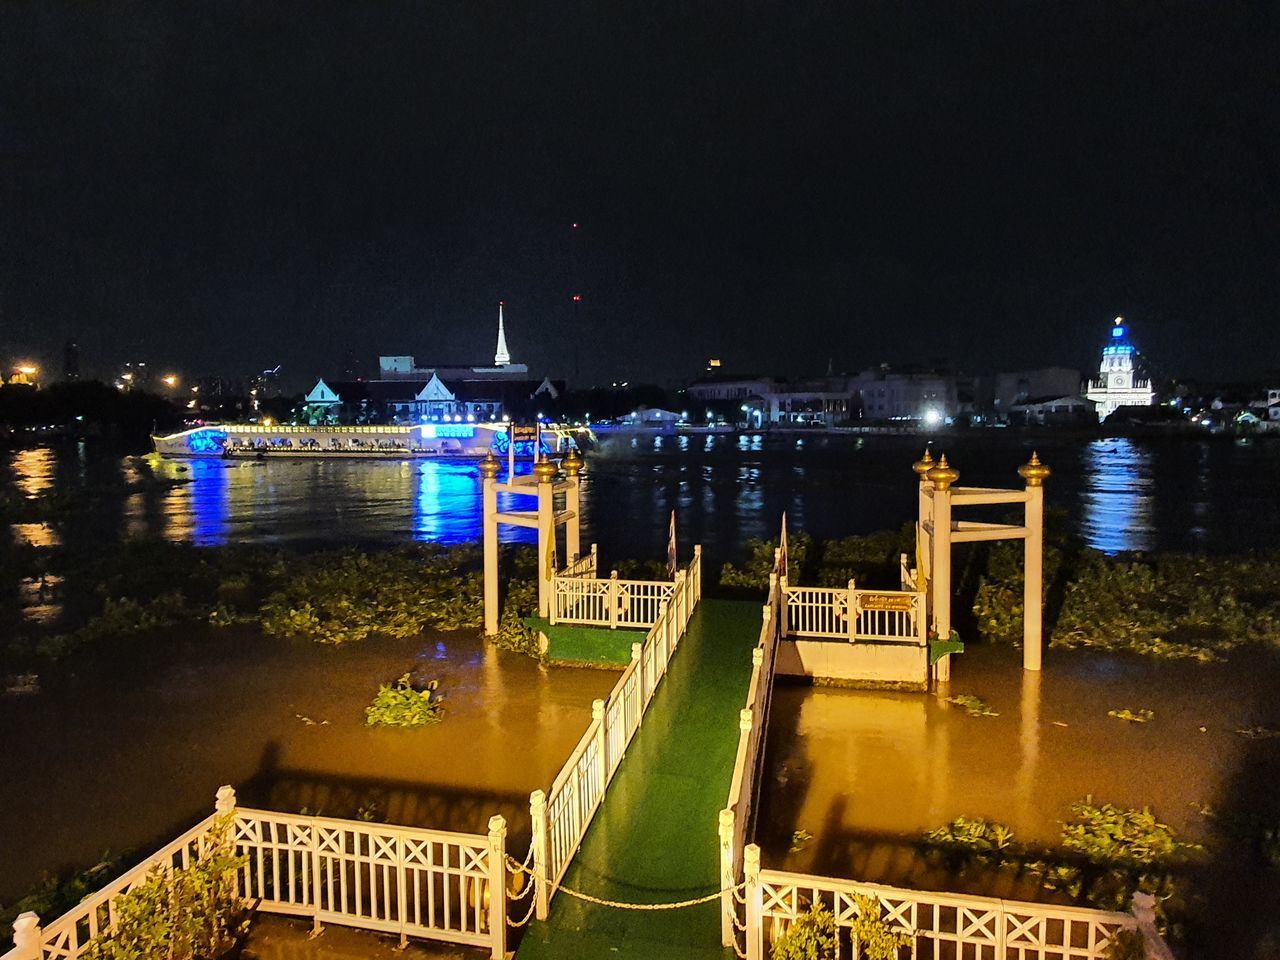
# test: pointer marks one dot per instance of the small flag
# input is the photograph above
(783, 572)
(671, 548)
(551, 555)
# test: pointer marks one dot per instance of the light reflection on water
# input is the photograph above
(1116, 497)
(1119, 494)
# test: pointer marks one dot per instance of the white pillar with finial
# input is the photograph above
(943, 476)
(489, 467)
(1034, 473)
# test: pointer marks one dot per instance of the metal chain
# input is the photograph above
(678, 905)
(533, 903)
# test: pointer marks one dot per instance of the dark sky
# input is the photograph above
(223, 186)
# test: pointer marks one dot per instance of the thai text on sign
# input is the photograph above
(891, 602)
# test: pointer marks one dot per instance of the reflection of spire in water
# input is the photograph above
(1115, 498)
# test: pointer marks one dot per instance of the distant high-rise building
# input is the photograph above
(1118, 384)
(71, 360)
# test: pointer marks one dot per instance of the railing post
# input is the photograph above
(26, 937)
(541, 879)
(613, 599)
(696, 567)
(725, 825)
(1144, 911)
(598, 717)
(555, 601)
(682, 601)
(784, 624)
(637, 657)
(850, 613)
(755, 902)
(224, 799)
(497, 887)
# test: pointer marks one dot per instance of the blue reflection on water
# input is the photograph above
(209, 497)
(1116, 502)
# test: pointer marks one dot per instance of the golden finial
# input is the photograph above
(572, 463)
(943, 475)
(921, 466)
(490, 466)
(544, 469)
(1034, 472)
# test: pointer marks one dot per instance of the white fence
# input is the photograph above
(847, 613)
(402, 880)
(943, 926)
(608, 603)
(561, 815)
(583, 566)
(753, 724)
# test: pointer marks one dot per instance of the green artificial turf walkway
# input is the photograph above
(594, 646)
(654, 840)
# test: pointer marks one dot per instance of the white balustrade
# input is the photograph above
(838, 613)
(608, 603)
(945, 926)
(564, 812)
(408, 881)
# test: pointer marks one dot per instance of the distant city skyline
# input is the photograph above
(226, 187)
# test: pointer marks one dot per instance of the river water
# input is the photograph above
(1120, 494)
(126, 750)
(121, 752)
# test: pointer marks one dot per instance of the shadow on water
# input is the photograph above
(383, 799)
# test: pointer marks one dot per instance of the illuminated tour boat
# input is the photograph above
(426, 411)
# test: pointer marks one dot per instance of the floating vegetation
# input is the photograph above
(1105, 854)
(799, 840)
(1259, 733)
(810, 936)
(973, 706)
(972, 837)
(401, 704)
(1141, 715)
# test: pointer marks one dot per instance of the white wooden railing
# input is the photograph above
(944, 926)
(753, 723)
(583, 566)
(907, 578)
(562, 814)
(608, 603)
(847, 613)
(414, 882)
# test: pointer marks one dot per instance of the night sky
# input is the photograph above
(227, 186)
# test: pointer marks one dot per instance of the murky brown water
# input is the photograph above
(125, 752)
(867, 773)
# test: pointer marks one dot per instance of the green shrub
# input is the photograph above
(810, 936)
(188, 913)
(401, 704)
(754, 574)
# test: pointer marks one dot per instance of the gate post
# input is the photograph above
(755, 902)
(541, 881)
(497, 887)
(851, 612)
(943, 475)
(1034, 473)
(489, 467)
(545, 472)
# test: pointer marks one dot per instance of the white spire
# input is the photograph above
(501, 358)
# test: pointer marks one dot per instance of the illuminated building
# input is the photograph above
(1118, 384)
